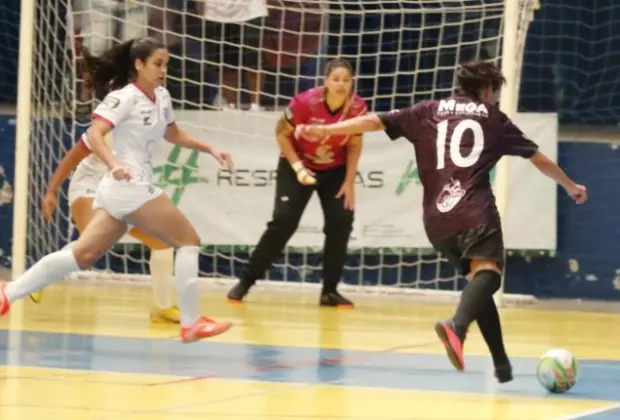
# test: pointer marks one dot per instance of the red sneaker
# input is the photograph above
(203, 328)
(5, 305)
(452, 343)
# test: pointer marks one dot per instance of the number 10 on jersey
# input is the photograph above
(455, 143)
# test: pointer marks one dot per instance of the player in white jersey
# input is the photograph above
(139, 115)
(89, 171)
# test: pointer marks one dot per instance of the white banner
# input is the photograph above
(234, 208)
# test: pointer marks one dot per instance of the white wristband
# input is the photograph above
(298, 166)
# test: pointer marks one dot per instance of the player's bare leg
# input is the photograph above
(475, 303)
(161, 219)
(160, 263)
(100, 235)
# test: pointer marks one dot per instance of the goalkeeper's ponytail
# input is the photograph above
(116, 67)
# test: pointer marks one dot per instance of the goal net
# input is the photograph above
(230, 83)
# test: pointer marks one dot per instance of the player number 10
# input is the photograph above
(455, 143)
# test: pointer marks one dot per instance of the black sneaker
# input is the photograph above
(238, 292)
(503, 373)
(335, 299)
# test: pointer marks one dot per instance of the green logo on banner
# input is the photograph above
(177, 175)
(410, 175)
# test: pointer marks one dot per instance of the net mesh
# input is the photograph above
(402, 51)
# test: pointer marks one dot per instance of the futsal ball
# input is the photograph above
(557, 370)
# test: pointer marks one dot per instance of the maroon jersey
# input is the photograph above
(457, 142)
(310, 107)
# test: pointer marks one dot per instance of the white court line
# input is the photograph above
(585, 414)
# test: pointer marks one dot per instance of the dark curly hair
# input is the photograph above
(475, 76)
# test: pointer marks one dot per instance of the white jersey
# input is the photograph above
(139, 124)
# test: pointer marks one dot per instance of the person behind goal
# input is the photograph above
(457, 142)
(89, 171)
(327, 165)
(139, 115)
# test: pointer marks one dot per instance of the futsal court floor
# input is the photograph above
(89, 352)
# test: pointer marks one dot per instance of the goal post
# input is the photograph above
(402, 53)
(515, 25)
(22, 137)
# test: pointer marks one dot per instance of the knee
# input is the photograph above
(284, 223)
(341, 224)
(189, 238)
(477, 265)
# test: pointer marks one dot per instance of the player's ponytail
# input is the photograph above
(473, 77)
(116, 67)
(110, 70)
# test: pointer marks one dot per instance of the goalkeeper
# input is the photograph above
(326, 165)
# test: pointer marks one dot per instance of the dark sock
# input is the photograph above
(473, 298)
(491, 329)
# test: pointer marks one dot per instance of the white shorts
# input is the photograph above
(121, 198)
(83, 185)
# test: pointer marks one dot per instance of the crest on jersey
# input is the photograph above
(323, 155)
(111, 101)
(450, 196)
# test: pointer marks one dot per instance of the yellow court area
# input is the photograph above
(89, 352)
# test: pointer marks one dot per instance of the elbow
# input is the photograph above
(354, 149)
(373, 123)
(377, 125)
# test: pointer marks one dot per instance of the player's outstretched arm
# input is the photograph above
(549, 168)
(78, 152)
(357, 125)
(176, 135)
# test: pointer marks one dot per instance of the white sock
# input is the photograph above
(162, 267)
(186, 283)
(49, 269)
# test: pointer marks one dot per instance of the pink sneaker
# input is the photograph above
(203, 328)
(452, 343)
